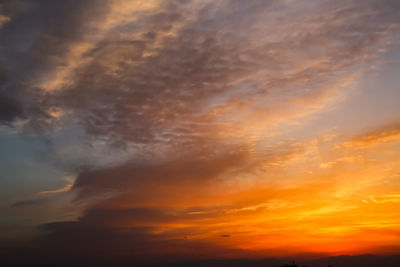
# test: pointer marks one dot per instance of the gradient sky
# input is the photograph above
(200, 128)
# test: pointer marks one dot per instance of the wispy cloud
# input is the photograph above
(386, 134)
(66, 188)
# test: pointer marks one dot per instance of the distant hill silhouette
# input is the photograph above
(339, 261)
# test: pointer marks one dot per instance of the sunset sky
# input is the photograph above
(199, 128)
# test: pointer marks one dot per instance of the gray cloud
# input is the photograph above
(28, 203)
(137, 180)
(9, 109)
(144, 85)
(35, 41)
(127, 96)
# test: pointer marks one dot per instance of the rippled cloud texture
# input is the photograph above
(199, 129)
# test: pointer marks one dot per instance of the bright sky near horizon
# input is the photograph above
(199, 128)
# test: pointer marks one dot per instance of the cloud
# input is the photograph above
(3, 20)
(143, 178)
(9, 109)
(386, 198)
(193, 71)
(66, 188)
(381, 135)
(27, 203)
(36, 41)
(103, 67)
(83, 242)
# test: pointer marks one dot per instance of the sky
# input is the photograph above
(196, 129)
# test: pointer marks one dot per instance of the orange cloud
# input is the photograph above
(388, 134)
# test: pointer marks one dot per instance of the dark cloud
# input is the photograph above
(9, 109)
(153, 86)
(78, 243)
(47, 29)
(134, 216)
(159, 90)
(35, 41)
(140, 179)
(28, 203)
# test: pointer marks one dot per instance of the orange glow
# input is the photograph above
(345, 206)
